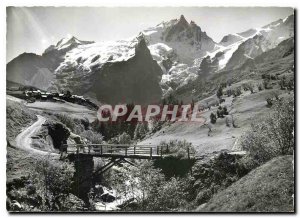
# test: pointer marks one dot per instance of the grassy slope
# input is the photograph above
(246, 109)
(19, 163)
(77, 111)
(268, 188)
(17, 117)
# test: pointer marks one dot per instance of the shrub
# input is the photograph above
(219, 92)
(223, 85)
(177, 148)
(251, 88)
(274, 136)
(237, 92)
(273, 77)
(76, 125)
(269, 102)
(275, 95)
(245, 87)
(213, 118)
(282, 83)
(140, 131)
(290, 85)
(67, 120)
(53, 182)
(92, 137)
(220, 112)
(215, 175)
(123, 138)
(260, 87)
(150, 189)
(225, 112)
(267, 84)
(229, 92)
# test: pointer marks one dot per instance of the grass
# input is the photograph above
(268, 188)
(17, 117)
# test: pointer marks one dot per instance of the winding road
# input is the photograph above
(23, 140)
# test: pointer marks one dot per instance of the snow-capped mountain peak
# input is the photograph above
(187, 40)
(67, 43)
(70, 41)
(230, 39)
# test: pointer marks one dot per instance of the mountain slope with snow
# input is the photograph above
(174, 52)
(177, 46)
(240, 47)
(113, 72)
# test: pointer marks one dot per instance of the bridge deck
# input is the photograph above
(122, 151)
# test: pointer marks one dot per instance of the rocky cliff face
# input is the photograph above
(247, 50)
(135, 80)
(123, 73)
(178, 46)
(187, 40)
(30, 69)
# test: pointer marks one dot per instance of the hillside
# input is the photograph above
(269, 188)
(246, 108)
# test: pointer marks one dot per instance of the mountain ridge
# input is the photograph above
(181, 49)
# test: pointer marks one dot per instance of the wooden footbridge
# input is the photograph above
(117, 153)
(123, 151)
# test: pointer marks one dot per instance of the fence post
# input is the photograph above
(126, 151)
(77, 149)
(101, 149)
(161, 151)
(89, 146)
(134, 150)
(157, 150)
(151, 153)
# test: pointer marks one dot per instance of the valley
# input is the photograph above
(244, 85)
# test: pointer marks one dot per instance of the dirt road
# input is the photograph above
(23, 140)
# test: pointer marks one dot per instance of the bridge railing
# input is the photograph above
(125, 150)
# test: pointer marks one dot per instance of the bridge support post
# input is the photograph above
(84, 165)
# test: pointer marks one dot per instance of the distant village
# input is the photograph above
(31, 95)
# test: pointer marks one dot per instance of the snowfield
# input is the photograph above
(86, 57)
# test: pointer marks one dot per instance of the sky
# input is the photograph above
(33, 29)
